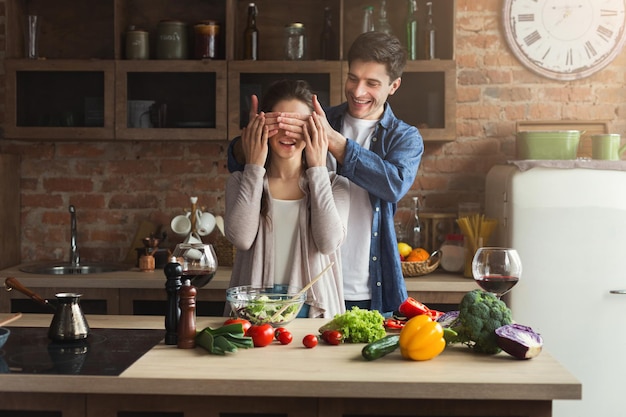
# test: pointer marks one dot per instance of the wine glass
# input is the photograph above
(198, 261)
(496, 270)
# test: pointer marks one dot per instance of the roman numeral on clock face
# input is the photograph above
(591, 51)
(569, 59)
(604, 33)
(532, 38)
(605, 12)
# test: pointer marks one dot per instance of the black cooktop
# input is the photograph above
(104, 352)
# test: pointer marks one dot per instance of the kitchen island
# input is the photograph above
(327, 381)
(122, 292)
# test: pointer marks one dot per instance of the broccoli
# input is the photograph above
(480, 314)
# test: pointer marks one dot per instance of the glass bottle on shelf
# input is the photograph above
(429, 34)
(383, 24)
(251, 35)
(411, 30)
(414, 231)
(368, 19)
(328, 41)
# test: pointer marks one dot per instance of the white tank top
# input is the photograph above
(285, 224)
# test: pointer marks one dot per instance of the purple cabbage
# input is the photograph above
(519, 341)
(447, 319)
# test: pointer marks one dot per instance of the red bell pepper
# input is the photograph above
(434, 314)
(411, 308)
(392, 323)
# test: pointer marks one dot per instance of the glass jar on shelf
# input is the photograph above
(453, 253)
(295, 41)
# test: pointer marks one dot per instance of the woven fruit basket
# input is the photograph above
(416, 269)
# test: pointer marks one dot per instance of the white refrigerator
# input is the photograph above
(569, 227)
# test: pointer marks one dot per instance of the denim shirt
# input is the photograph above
(387, 171)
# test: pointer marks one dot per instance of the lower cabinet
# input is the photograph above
(41, 405)
(93, 300)
(73, 405)
(153, 302)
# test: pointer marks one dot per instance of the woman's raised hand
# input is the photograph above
(316, 141)
(254, 140)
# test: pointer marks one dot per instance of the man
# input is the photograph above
(380, 155)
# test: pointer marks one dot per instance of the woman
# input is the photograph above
(285, 213)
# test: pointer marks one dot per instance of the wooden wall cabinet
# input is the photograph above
(253, 77)
(80, 87)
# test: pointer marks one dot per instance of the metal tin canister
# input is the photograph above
(137, 44)
(295, 41)
(206, 45)
(171, 40)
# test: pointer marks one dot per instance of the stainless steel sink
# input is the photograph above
(69, 269)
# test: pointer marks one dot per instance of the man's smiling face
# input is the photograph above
(367, 88)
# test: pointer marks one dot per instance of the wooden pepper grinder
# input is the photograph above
(173, 271)
(187, 321)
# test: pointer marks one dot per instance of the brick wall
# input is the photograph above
(117, 185)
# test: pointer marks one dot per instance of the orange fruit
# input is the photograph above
(404, 249)
(418, 255)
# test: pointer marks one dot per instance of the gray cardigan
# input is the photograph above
(322, 229)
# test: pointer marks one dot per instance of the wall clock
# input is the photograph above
(565, 39)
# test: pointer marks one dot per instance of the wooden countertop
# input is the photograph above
(292, 370)
(134, 278)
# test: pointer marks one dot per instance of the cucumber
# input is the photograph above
(381, 347)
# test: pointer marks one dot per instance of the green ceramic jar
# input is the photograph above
(171, 40)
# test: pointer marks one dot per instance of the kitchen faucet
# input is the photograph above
(74, 256)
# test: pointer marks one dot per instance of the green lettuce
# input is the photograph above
(358, 325)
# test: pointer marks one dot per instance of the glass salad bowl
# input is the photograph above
(277, 305)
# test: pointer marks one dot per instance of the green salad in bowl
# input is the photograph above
(276, 305)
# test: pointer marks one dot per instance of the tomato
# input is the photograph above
(285, 337)
(309, 341)
(262, 334)
(278, 331)
(332, 337)
(244, 323)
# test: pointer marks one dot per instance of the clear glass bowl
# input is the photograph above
(260, 305)
(4, 335)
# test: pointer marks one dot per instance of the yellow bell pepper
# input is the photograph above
(421, 339)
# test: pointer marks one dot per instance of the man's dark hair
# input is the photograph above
(382, 48)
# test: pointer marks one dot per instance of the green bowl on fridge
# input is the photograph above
(547, 144)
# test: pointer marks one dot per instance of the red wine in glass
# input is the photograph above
(497, 284)
(198, 277)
